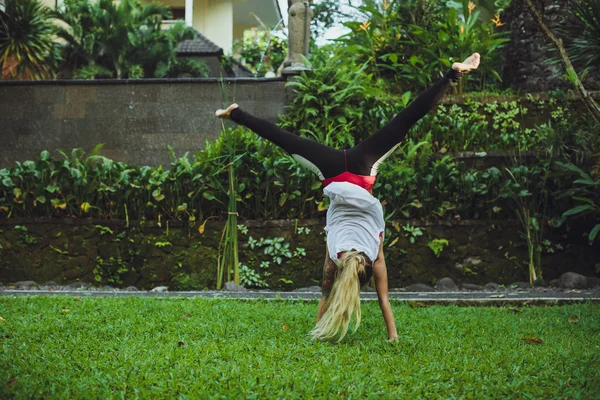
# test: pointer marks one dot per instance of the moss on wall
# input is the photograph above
(177, 255)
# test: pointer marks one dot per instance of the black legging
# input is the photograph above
(365, 157)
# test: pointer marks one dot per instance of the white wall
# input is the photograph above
(219, 23)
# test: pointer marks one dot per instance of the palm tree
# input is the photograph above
(26, 46)
(583, 33)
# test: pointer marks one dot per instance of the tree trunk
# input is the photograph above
(589, 102)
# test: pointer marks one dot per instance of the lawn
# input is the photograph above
(91, 347)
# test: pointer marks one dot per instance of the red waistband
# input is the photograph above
(365, 182)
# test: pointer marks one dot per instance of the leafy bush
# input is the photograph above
(80, 185)
(586, 194)
(269, 186)
(261, 51)
(124, 40)
(410, 44)
(582, 33)
(250, 278)
(437, 246)
(26, 47)
(338, 105)
(524, 124)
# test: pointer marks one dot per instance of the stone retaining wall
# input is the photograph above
(177, 255)
(135, 119)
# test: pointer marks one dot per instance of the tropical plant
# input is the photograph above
(228, 265)
(528, 188)
(267, 185)
(26, 47)
(571, 74)
(338, 105)
(409, 44)
(105, 39)
(586, 194)
(582, 33)
(261, 50)
(437, 246)
(457, 36)
(250, 278)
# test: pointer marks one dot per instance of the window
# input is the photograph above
(178, 12)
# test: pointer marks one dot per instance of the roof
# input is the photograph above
(201, 46)
(240, 70)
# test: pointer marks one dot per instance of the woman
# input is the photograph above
(355, 224)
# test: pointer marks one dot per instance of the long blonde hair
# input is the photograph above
(344, 300)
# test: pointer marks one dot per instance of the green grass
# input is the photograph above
(203, 348)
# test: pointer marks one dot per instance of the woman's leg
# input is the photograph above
(377, 147)
(322, 160)
(369, 153)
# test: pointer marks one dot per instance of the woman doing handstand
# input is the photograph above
(354, 222)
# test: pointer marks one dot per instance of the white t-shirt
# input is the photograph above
(354, 220)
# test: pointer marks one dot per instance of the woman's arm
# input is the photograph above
(381, 285)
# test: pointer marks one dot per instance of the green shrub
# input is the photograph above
(105, 39)
(27, 50)
(409, 44)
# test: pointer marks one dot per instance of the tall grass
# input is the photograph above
(228, 259)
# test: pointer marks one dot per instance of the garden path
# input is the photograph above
(417, 299)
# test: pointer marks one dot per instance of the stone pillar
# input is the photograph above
(298, 36)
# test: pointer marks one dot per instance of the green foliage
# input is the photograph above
(260, 51)
(90, 185)
(24, 236)
(123, 40)
(409, 44)
(528, 189)
(437, 245)
(337, 104)
(585, 192)
(581, 34)
(110, 270)
(522, 124)
(412, 232)
(277, 249)
(185, 281)
(251, 279)
(104, 230)
(27, 50)
(413, 184)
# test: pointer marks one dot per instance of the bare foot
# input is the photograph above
(470, 63)
(225, 113)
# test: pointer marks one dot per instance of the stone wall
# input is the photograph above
(177, 255)
(526, 56)
(135, 119)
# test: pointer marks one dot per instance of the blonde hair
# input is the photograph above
(344, 300)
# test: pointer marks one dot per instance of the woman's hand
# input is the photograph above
(225, 113)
